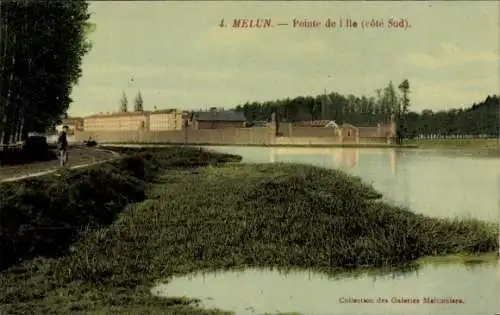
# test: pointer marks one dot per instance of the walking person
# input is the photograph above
(62, 145)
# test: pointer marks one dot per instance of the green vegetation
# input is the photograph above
(34, 149)
(478, 119)
(42, 46)
(227, 216)
(42, 216)
(334, 106)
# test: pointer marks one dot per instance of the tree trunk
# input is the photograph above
(3, 58)
(7, 123)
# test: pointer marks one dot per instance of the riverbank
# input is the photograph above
(232, 216)
(336, 145)
(473, 147)
(455, 143)
(483, 147)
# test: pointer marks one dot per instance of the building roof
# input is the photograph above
(220, 116)
(312, 123)
(164, 111)
(141, 113)
(119, 114)
(72, 120)
(332, 123)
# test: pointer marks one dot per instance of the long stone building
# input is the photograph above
(162, 120)
(133, 121)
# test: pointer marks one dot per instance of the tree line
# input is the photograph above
(478, 120)
(41, 49)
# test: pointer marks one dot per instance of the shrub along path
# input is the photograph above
(43, 215)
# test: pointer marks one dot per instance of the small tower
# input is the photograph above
(123, 104)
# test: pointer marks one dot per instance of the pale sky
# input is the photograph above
(180, 58)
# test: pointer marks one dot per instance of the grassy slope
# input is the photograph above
(225, 217)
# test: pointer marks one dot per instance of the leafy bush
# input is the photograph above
(43, 216)
(34, 149)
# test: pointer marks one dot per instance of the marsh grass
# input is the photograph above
(284, 216)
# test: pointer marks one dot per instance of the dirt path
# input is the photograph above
(79, 156)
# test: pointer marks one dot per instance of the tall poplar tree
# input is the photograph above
(42, 44)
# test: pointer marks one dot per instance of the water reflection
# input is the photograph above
(425, 181)
(257, 291)
(325, 157)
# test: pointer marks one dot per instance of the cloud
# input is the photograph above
(450, 55)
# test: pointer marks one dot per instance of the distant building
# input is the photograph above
(260, 123)
(218, 120)
(312, 123)
(348, 132)
(331, 124)
(169, 119)
(123, 121)
(73, 123)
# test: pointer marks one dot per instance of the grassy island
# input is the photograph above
(172, 211)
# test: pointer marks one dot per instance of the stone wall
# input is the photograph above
(251, 136)
(305, 141)
(217, 124)
(289, 130)
(292, 135)
(299, 131)
(371, 132)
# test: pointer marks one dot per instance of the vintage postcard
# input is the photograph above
(249, 157)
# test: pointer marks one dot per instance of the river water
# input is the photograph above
(434, 183)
